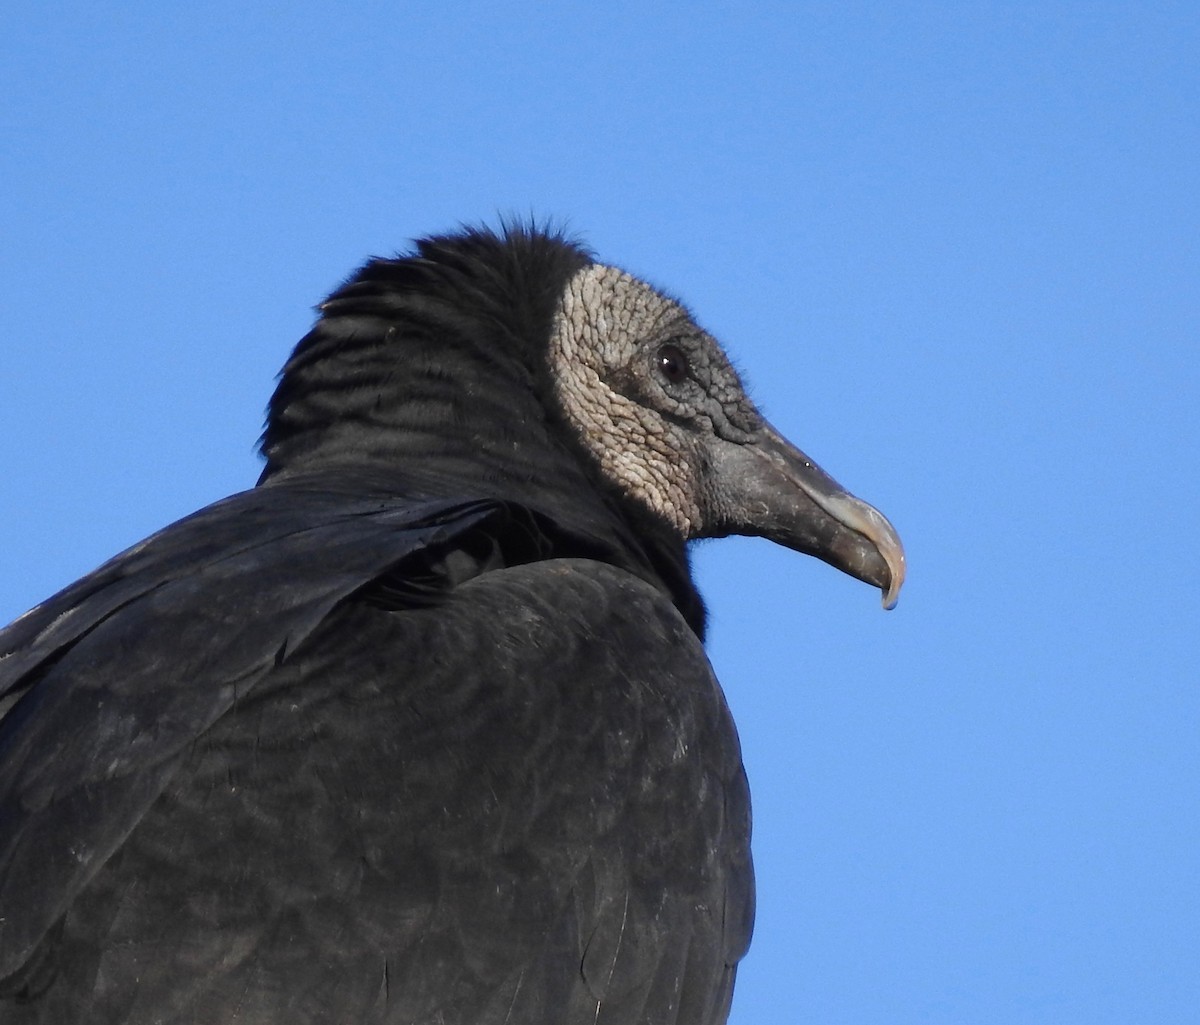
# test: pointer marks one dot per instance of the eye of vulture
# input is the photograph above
(421, 728)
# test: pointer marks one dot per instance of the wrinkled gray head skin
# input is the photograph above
(656, 402)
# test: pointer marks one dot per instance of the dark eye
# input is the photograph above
(672, 364)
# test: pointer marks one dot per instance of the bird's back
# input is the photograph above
(521, 800)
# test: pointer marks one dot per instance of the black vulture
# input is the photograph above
(420, 729)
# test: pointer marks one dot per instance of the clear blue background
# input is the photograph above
(954, 248)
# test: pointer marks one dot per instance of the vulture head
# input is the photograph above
(657, 403)
(519, 357)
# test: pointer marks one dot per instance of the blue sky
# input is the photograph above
(954, 249)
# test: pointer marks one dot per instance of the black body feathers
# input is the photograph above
(419, 730)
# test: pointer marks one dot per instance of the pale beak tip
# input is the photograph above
(897, 564)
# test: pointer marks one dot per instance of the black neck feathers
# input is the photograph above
(430, 373)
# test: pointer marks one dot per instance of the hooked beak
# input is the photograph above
(769, 488)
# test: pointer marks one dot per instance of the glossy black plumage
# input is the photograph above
(420, 729)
